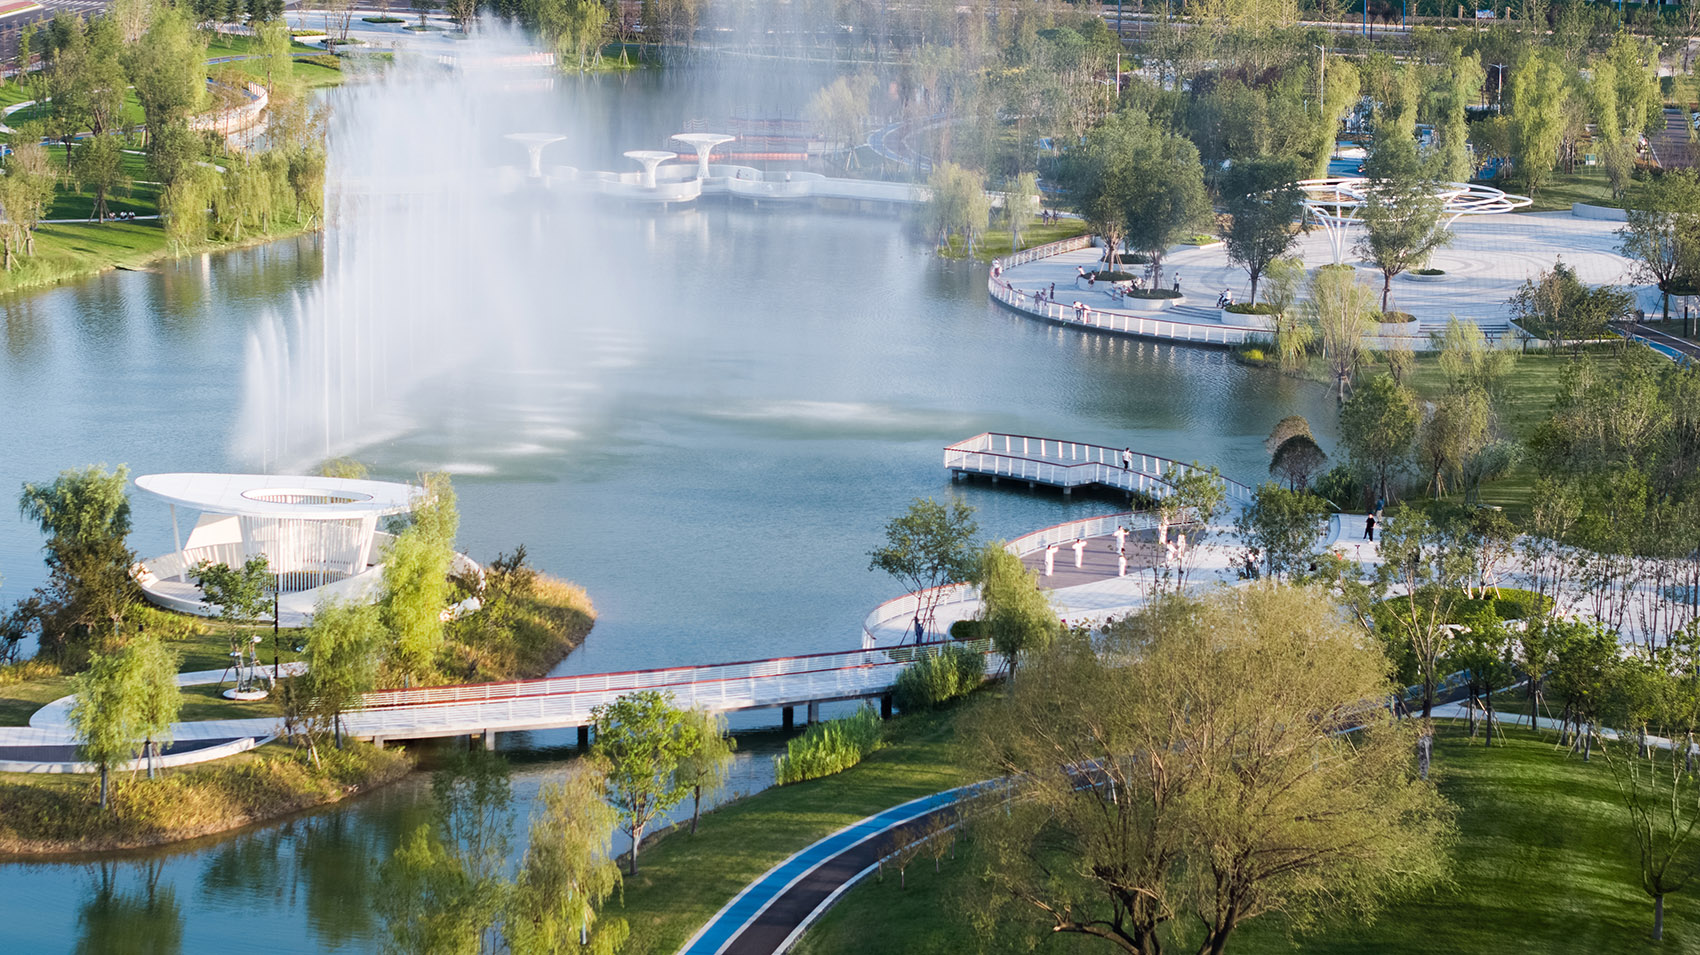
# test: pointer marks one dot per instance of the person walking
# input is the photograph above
(1127, 461)
(1177, 281)
(1369, 528)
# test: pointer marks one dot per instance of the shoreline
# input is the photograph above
(295, 787)
(138, 263)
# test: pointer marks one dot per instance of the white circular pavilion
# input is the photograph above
(319, 535)
(1337, 202)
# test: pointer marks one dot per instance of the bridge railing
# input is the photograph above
(626, 681)
(1223, 335)
(1045, 251)
(1071, 464)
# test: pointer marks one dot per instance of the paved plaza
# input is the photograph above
(1489, 260)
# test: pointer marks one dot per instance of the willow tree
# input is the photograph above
(1014, 612)
(416, 584)
(568, 872)
(1210, 762)
(1540, 88)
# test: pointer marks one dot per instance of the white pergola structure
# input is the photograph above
(649, 158)
(1337, 202)
(318, 534)
(704, 144)
(534, 144)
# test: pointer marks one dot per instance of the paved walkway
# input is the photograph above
(1486, 264)
(771, 912)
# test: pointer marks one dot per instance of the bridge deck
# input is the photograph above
(1071, 464)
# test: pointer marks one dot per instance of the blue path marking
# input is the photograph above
(758, 895)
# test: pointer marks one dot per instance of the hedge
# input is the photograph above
(827, 748)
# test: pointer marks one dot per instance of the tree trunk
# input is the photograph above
(696, 808)
(1386, 289)
(637, 839)
(103, 786)
(1428, 697)
(1658, 916)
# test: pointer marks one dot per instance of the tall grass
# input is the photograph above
(829, 747)
(938, 679)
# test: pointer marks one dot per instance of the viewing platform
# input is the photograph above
(1071, 464)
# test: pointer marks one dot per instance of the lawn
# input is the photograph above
(202, 645)
(1525, 401)
(1544, 865)
(682, 879)
(1584, 185)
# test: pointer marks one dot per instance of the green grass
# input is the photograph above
(1544, 865)
(996, 242)
(130, 114)
(232, 45)
(684, 879)
(202, 645)
(1584, 185)
(1525, 401)
(309, 75)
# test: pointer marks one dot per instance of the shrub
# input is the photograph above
(938, 679)
(1152, 293)
(1133, 258)
(1397, 318)
(1341, 487)
(966, 630)
(1245, 308)
(325, 60)
(1108, 276)
(1428, 271)
(827, 748)
(383, 19)
(1202, 239)
(1252, 354)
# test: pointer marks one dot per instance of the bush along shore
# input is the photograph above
(60, 815)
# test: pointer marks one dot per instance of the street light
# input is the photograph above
(1499, 97)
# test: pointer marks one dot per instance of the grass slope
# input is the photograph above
(1544, 865)
(683, 879)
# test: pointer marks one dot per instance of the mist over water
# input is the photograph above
(449, 276)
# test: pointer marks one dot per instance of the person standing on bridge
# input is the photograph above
(1127, 459)
(920, 629)
(1079, 551)
(1050, 560)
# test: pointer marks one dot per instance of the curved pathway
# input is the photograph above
(771, 912)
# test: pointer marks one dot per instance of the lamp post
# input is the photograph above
(1499, 95)
(275, 668)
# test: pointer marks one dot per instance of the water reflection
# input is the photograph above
(128, 912)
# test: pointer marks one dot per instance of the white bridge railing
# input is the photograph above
(1072, 464)
(1118, 322)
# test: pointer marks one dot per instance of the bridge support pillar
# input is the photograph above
(885, 707)
(1068, 492)
(814, 713)
(1031, 485)
(994, 479)
(583, 739)
(490, 740)
(789, 719)
(377, 742)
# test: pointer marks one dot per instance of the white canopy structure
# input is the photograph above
(319, 535)
(1337, 203)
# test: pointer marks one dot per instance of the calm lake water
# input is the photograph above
(708, 434)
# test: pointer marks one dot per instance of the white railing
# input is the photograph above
(1072, 464)
(1199, 333)
(626, 681)
(1088, 529)
(908, 605)
(1045, 251)
(570, 701)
